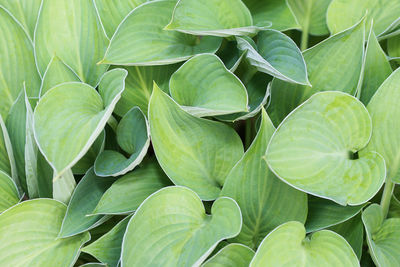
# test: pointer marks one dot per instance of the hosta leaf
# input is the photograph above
(288, 245)
(382, 236)
(311, 15)
(265, 201)
(276, 55)
(344, 13)
(393, 47)
(204, 87)
(171, 228)
(313, 148)
(333, 65)
(29, 236)
(129, 191)
(66, 129)
(149, 44)
(139, 86)
(107, 248)
(323, 213)
(376, 68)
(84, 199)
(133, 136)
(63, 186)
(272, 11)
(83, 49)
(212, 17)
(394, 210)
(385, 137)
(88, 160)
(8, 192)
(17, 63)
(56, 73)
(232, 255)
(7, 161)
(204, 151)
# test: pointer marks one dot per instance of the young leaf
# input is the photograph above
(63, 186)
(128, 192)
(382, 236)
(149, 44)
(65, 130)
(29, 235)
(204, 151)
(313, 150)
(265, 201)
(204, 87)
(8, 192)
(7, 161)
(276, 55)
(133, 136)
(171, 228)
(288, 245)
(84, 199)
(83, 49)
(232, 255)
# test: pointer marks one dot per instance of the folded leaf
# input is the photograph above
(7, 161)
(149, 44)
(313, 150)
(232, 255)
(8, 192)
(171, 228)
(203, 151)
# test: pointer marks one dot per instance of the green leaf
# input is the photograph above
(17, 63)
(376, 69)
(313, 150)
(311, 15)
(204, 87)
(129, 191)
(344, 13)
(29, 235)
(385, 137)
(66, 129)
(382, 236)
(276, 55)
(272, 11)
(149, 44)
(139, 86)
(83, 49)
(203, 151)
(84, 199)
(212, 17)
(333, 65)
(232, 255)
(63, 186)
(133, 136)
(7, 161)
(8, 192)
(394, 210)
(107, 248)
(265, 201)
(171, 228)
(288, 245)
(393, 47)
(323, 213)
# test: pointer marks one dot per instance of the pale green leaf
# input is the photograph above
(203, 151)
(289, 246)
(8, 192)
(29, 236)
(149, 44)
(171, 228)
(63, 186)
(232, 255)
(7, 161)
(313, 150)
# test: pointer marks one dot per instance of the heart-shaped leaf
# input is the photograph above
(29, 235)
(65, 130)
(204, 87)
(383, 236)
(276, 55)
(8, 192)
(171, 228)
(313, 150)
(129, 191)
(133, 136)
(149, 43)
(265, 201)
(288, 245)
(232, 255)
(204, 151)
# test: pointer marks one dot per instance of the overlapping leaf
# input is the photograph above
(8, 192)
(232, 255)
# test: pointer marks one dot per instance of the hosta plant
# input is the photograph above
(225, 133)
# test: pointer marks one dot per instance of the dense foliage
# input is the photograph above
(199, 133)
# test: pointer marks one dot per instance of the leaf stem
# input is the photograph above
(304, 39)
(386, 197)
